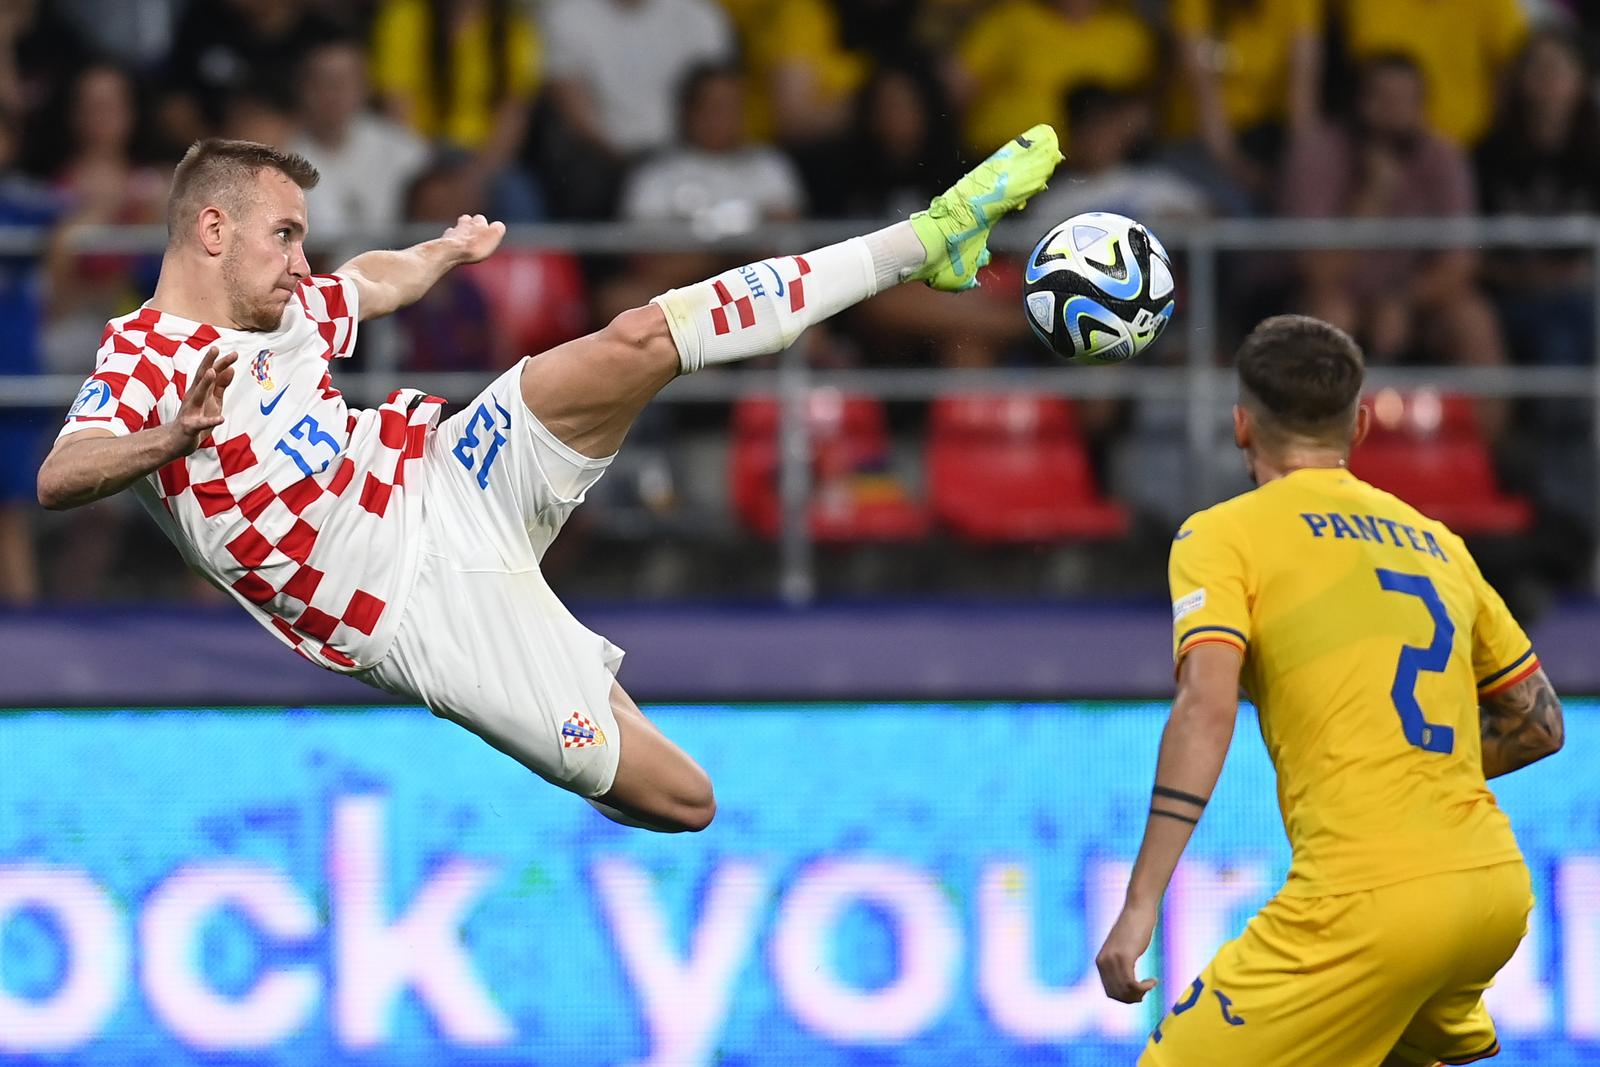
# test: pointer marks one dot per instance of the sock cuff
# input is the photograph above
(680, 326)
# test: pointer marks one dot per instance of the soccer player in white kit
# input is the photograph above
(384, 544)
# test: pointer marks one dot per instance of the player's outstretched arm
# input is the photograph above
(389, 280)
(91, 464)
(1193, 747)
(1521, 725)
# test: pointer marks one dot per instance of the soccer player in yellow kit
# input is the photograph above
(1391, 682)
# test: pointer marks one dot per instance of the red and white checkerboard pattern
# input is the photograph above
(324, 560)
(579, 731)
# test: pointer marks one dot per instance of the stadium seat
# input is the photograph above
(1013, 468)
(1426, 449)
(536, 300)
(855, 497)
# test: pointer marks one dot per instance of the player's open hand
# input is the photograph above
(1127, 941)
(201, 410)
(475, 237)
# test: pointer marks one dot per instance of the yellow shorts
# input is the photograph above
(1344, 981)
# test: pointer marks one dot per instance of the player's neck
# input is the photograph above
(178, 295)
(1269, 468)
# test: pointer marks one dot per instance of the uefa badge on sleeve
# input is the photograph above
(91, 399)
(579, 732)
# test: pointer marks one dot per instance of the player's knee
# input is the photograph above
(637, 331)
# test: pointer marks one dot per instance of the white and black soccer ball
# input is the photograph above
(1098, 288)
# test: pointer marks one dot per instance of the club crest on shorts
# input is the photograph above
(261, 369)
(579, 732)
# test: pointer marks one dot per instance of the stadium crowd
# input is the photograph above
(725, 114)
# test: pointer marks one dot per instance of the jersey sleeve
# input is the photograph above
(334, 304)
(1211, 580)
(121, 394)
(1502, 655)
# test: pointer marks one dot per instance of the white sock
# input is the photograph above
(761, 308)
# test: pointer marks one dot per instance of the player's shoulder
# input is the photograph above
(1383, 502)
(1227, 518)
(147, 334)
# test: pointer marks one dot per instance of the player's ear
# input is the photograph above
(209, 227)
(1243, 432)
(1363, 424)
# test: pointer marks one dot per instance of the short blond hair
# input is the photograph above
(218, 171)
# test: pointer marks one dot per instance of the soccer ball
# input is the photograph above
(1099, 288)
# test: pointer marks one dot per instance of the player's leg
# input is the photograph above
(1308, 983)
(588, 392)
(1453, 1026)
(657, 786)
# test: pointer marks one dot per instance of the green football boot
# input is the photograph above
(955, 228)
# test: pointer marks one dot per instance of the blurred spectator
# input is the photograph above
(616, 70)
(223, 47)
(1386, 163)
(24, 432)
(449, 328)
(1109, 127)
(716, 178)
(1021, 58)
(1251, 69)
(103, 183)
(1461, 47)
(40, 54)
(1543, 158)
(807, 59)
(258, 114)
(365, 161)
(901, 152)
(137, 34)
(465, 72)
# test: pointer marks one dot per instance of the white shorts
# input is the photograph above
(483, 640)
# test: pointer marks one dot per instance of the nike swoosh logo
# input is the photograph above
(266, 408)
(1181, 534)
(776, 277)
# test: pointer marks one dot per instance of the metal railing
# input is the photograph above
(1198, 382)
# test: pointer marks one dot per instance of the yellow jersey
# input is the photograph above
(1462, 46)
(1024, 58)
(1251, 49)
(1369, 637)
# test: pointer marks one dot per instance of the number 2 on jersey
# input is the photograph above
(1430, 737)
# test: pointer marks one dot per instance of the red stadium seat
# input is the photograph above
(536, 300)
(1013, 469)
(1426, 449)
(854, 496)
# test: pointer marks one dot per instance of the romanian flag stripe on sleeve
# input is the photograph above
(1503, 679)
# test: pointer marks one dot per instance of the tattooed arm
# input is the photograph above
(1521, 725)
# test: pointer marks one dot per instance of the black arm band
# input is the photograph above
(1178, 794)
(1175, 815)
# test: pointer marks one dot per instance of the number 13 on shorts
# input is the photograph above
(478, 451)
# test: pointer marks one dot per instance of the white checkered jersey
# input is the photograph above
(296, 504)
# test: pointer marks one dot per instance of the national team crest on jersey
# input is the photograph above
(579, 732)
(261, 369)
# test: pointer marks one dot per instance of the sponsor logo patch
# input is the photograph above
(1188, 604)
